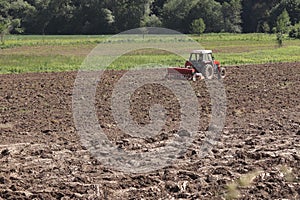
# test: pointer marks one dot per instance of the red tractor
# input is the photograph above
(200, 64)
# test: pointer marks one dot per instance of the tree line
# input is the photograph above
(114, 16)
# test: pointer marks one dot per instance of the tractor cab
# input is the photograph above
(200, 58)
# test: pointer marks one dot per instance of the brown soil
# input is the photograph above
(257, 157)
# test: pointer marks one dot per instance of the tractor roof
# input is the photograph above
(202, 51)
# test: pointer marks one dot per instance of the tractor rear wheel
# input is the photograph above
(208, 71)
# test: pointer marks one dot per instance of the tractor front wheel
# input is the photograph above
(222, 73)
(208, 71)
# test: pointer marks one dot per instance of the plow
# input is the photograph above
(201, 65)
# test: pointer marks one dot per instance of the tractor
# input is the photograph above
(200, 64)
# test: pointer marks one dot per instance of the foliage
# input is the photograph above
(150, 19)
(3, 31)
(11, 14)
(175, 11)
(210, 12)
(232, 16)
(114, 16)
(264, 28)
(255, 14)
(295, 31)
(283, 22)
(291, 6)
(198, 26)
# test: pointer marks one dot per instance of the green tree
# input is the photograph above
(293, 9)
(209, 11)
(264, 27)
(69, 17)
(295, 31)
(291, 6)
(93, 17)
(127, 14)
(49, 16)
(11, 15)
(283, 22)
(156, 7)
(255, 15)
(3, 30)
(198, 26)
(150, 19)
(232, 16)
(175, 12)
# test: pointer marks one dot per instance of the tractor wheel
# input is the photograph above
(222, 73)
(208, 71)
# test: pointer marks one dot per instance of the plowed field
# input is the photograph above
(257, 157)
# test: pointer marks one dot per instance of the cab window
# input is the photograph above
(193, 57)
(207, 57)
(210, 57)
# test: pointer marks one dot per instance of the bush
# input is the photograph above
(283, 22)
(295, 31)
(198, 26)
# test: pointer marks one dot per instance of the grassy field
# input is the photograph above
(22, 54)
